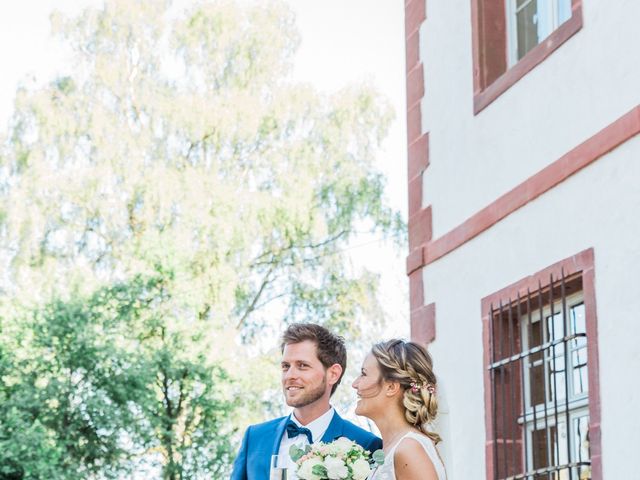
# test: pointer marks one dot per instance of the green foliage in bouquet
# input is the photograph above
(340, 459)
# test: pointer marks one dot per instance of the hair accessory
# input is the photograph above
(416, 387)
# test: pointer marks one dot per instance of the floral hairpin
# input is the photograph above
(416, 387)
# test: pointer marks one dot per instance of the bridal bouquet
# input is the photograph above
(342, 459)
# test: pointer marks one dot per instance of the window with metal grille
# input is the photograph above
(539, 382)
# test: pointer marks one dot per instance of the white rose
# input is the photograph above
(336, 468)
(343, 445)
(361, 469)
(305, 470)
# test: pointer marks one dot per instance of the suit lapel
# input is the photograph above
(334, 430)
(278, 436)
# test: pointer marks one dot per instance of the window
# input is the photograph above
(548, 379)
(511, 37)
(529, 22)
(541, 377)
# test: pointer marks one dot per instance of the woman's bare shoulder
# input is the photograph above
(412, 462)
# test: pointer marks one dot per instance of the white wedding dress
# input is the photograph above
(387, 470)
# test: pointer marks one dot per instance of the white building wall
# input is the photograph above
(598, 207)
(587, 83)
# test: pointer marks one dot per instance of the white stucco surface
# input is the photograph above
(597, 208)
(586, 84)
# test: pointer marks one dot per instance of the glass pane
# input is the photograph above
(580, 371)
(579, 358)
(536, 334)
(580, 441)
(544, 18)
(527, 30)
(564, 11)
(555, 327)
(520, 3)
(578, 325)
(536, 384)
(556, 379)
(543, 448)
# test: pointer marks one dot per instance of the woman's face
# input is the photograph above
(369, 388)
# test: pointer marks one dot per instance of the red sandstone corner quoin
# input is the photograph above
(491, 76)
(422, 317)
(581, 263)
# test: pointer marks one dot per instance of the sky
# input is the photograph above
(346, 41)
(342, 41)
(354, 40)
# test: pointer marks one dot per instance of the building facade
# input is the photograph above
(524, 231)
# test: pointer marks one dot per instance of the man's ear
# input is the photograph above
(334, 372)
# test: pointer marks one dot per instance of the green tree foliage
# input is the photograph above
(100, 385)
(177, 150)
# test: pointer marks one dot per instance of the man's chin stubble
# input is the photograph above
(303, 402)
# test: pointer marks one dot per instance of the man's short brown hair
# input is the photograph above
(330, 347)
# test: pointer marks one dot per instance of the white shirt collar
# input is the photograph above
(319, 426)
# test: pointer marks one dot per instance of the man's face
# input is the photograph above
(304, 378)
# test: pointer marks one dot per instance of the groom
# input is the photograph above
(313, 362)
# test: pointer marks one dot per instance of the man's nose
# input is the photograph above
(290, 373)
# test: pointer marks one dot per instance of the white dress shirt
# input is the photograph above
(318, 427)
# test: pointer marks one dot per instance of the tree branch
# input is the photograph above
(292, 246)
(265, 281)
(193, 145)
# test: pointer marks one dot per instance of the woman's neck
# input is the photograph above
(392, 425)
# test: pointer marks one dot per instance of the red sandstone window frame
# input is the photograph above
(491, 74)
(581, 264)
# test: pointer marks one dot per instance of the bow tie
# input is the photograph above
(293, 430)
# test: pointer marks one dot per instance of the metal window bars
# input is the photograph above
(538, 415)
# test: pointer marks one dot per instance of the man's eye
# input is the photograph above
(285, 367)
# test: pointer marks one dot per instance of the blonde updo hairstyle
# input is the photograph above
(410, 365)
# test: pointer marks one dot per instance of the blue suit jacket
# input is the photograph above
(263, 440)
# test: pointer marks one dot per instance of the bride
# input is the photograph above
(397, 390)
